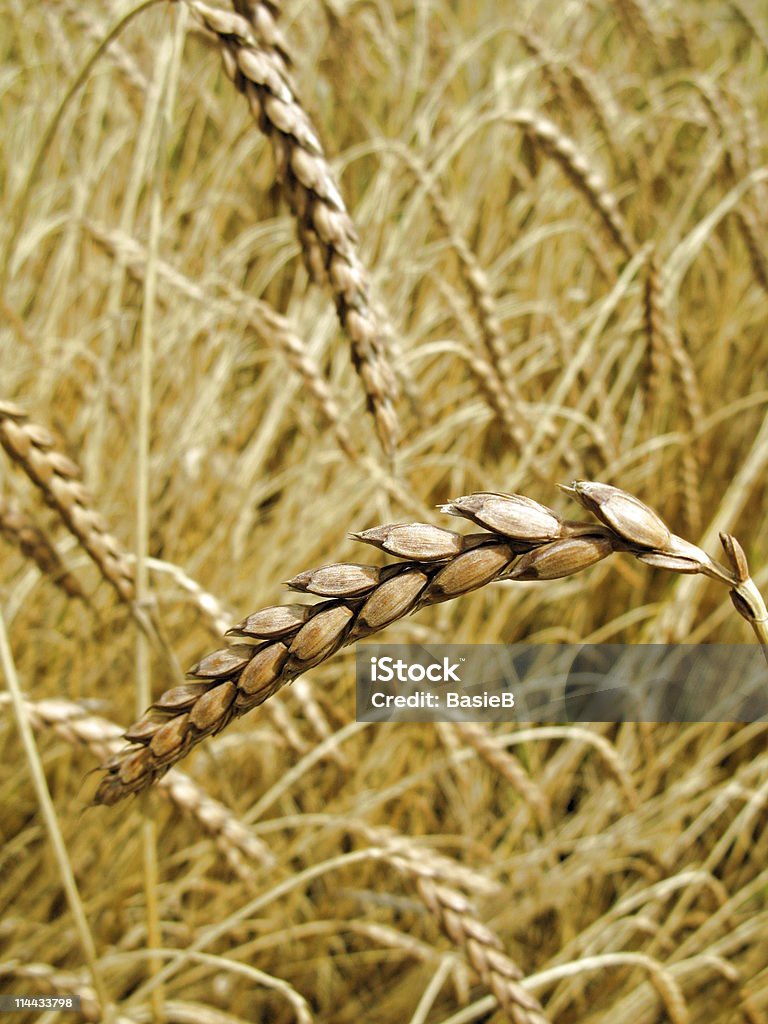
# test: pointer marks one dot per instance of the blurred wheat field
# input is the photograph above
(563, 210)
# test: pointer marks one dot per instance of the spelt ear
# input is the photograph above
(254, 58)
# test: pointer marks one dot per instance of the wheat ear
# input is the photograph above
(523, 540)
(439, 883)
(325, 227)
(577, 168)
(21, 530)
(33, 448)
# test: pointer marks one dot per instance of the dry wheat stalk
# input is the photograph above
(271, 327)
(326, 229)
(523, 540)
(22, 531)
(77, 726)
(664, 339)
(33, 448)
(590, 183)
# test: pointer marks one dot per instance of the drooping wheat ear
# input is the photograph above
(523, 540)
(484, 950)
(582, 85)
(33, 448)
(665, 342)
(21, 530)
(493, 373)
(507, 765)
(439, 883)
(325, 227)
(591, 91)
(576, 166)
(78, 727)
(551, 67)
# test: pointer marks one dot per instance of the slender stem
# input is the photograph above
(52, 823)
(758, 618)
(168, 65)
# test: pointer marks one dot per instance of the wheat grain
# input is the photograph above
(315, 200)
(524, 540)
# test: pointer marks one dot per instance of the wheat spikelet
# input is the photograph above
(523, 541)
(32, 447)
(316, 202)
(22, 531)
(563, 150)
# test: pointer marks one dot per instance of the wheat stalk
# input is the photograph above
(326, 229)
(523, 540)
